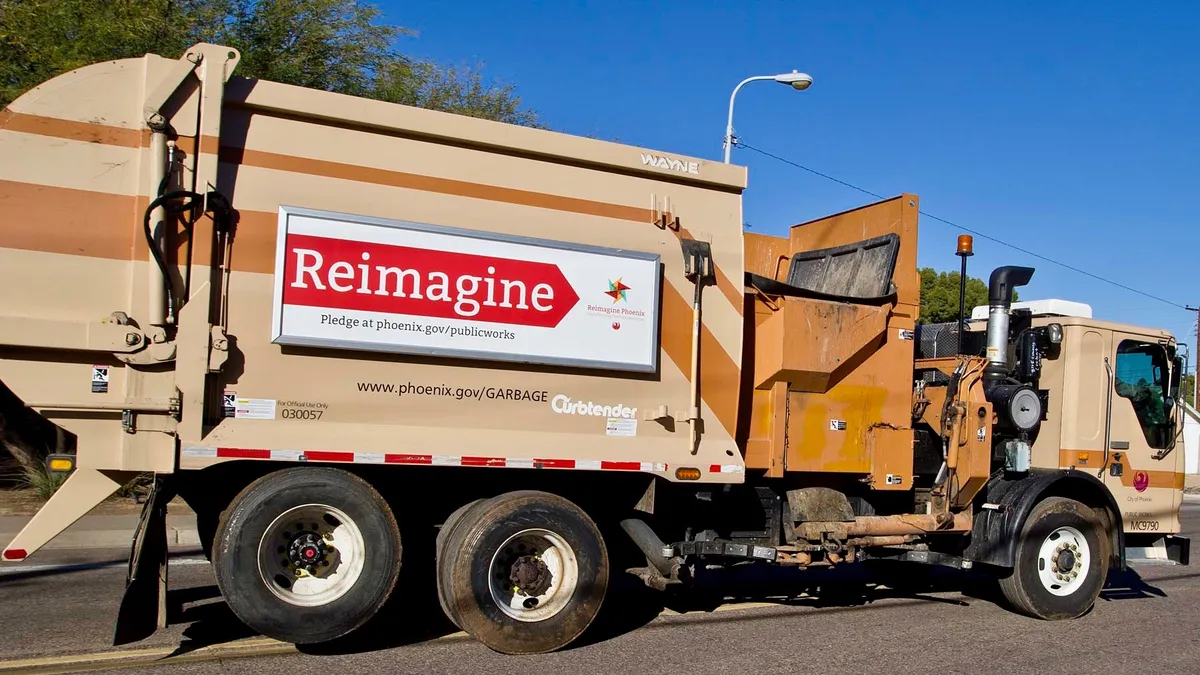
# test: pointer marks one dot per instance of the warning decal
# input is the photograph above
(254, 408)
(99, 379)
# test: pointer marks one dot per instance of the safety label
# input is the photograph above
(229, 404)
(837, 425)
(619, 426)
(254, 409)
(99, 379)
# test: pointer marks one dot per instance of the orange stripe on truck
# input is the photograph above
(1093, 460)
(86, 132)
(62, 220)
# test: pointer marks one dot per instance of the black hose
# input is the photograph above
(195, 200)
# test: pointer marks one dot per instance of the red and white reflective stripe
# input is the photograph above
(725, 468)
(206, 452)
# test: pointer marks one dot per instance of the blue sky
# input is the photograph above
(1069, 128)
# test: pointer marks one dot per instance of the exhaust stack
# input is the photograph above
(1000, 293)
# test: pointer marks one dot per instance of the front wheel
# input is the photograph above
(306, 555)
(1061, 561)
(524, 572)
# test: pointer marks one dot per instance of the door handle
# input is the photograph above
(1119, 445)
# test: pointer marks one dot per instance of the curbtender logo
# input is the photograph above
(563, 405)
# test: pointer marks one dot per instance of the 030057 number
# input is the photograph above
(300, 414)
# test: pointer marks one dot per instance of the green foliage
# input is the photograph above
(136, 488)
(1188, 389)
(42, 481)
(335, 45)
(939, 295)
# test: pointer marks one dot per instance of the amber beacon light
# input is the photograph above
(966, 249)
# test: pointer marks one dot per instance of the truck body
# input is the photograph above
(349, 332)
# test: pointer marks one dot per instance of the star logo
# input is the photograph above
(616, 290)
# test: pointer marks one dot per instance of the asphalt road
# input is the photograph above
(1145, 622)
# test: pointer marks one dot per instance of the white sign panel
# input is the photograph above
(354, 282)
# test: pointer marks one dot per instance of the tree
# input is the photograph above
(1188, 389)
(939, 295)
(334, 45)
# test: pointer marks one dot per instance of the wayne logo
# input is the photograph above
(661, 162)
(618, 291)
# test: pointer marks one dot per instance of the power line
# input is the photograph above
(1026, 251)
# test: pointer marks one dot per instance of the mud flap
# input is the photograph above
(143, 607)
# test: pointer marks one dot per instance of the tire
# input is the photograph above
(442, 575)
(1058, 533)
(260, 584)
(561, 597)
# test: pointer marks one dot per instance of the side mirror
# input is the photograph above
(1176, 376)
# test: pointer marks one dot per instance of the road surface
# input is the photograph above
(1147, 622)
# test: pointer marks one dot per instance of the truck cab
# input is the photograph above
(1118, 415)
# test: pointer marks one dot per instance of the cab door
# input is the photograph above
(1143, 435)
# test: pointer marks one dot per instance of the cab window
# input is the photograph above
(1141, 379)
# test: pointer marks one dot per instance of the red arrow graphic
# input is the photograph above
(345, 274)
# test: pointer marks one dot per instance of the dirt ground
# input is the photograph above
(22, 502)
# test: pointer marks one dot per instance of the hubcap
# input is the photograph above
(1063, 560)
(530, 575)
(311, 555)
(533, 575)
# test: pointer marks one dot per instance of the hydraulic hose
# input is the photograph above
(194, 200)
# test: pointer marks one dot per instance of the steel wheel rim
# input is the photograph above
(534, 603)
(1063, 561)
(336, 564)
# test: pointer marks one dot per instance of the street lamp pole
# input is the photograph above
(797, 80)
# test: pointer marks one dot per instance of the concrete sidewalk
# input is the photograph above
(105, 531)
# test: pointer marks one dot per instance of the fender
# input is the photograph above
(996, 531)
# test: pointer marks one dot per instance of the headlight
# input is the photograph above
(1055, 333)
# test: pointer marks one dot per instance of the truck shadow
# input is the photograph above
(209, 623)
(415, 616)
(1129, 585)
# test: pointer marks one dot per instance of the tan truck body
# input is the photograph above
(250, 353)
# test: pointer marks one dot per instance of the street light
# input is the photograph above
(797, 80)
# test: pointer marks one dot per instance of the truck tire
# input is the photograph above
(307, 554)
(442, 568)
(524, 572)
(1061, 561)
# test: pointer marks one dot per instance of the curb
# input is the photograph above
(81, 536)
(107, 539)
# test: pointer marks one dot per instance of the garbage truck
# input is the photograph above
(350, 333)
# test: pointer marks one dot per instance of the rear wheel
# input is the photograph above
(524, 572)
(442, 568)
(1061, 561)
(307, 554)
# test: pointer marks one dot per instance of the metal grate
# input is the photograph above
(937, 340)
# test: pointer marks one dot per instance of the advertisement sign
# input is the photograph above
(355, 282)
